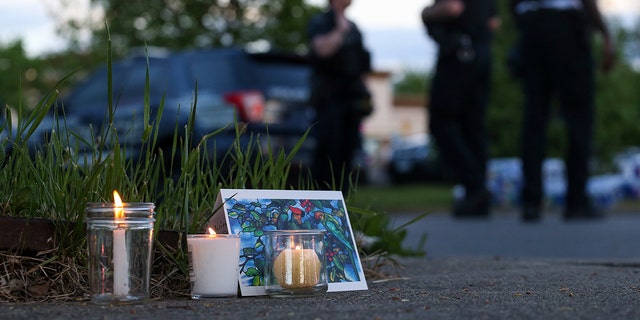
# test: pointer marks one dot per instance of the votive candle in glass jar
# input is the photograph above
(295, 263)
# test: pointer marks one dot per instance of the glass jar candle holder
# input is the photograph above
(119, 243)
(295, 263)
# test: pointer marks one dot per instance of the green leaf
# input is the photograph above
(252, 272)
(249, 252)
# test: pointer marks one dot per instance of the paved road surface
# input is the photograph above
(437, 288)
(504, 235)
(494, 269)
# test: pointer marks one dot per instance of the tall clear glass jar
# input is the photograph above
(120, 244)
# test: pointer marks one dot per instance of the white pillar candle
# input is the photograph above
(120, 255)
(214, 265)
(120, 263)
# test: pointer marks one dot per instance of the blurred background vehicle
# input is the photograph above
(267, 92)
(415, 158)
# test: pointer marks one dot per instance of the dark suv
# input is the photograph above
(266, 91)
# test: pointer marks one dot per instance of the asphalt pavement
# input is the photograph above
(617, 236)
(499, 268)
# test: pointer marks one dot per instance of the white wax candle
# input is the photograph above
(214, 264)
(120, 263)
(120, 255)
(297, 268)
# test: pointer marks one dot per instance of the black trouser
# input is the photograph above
(459, 95)
(337, 134)
(558, 62)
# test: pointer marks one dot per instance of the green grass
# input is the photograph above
(432, 197)
(409, 198)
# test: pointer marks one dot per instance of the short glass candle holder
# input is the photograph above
(295, 263)
(119, 243)
(213, 265)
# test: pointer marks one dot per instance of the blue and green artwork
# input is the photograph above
(250, 218)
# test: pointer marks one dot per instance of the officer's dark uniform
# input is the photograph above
(459, 96)
(557, 61)
(338, 93)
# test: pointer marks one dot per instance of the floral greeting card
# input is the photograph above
(250, 213)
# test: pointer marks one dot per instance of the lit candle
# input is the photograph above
(120, 256)
(214, 264)
(297, 268)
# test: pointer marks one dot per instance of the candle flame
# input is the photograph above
(297, 247)
(212, 233)
(119, 212)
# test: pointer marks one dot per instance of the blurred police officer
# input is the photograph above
(558, 62)
(459, 93)
(340, 63)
